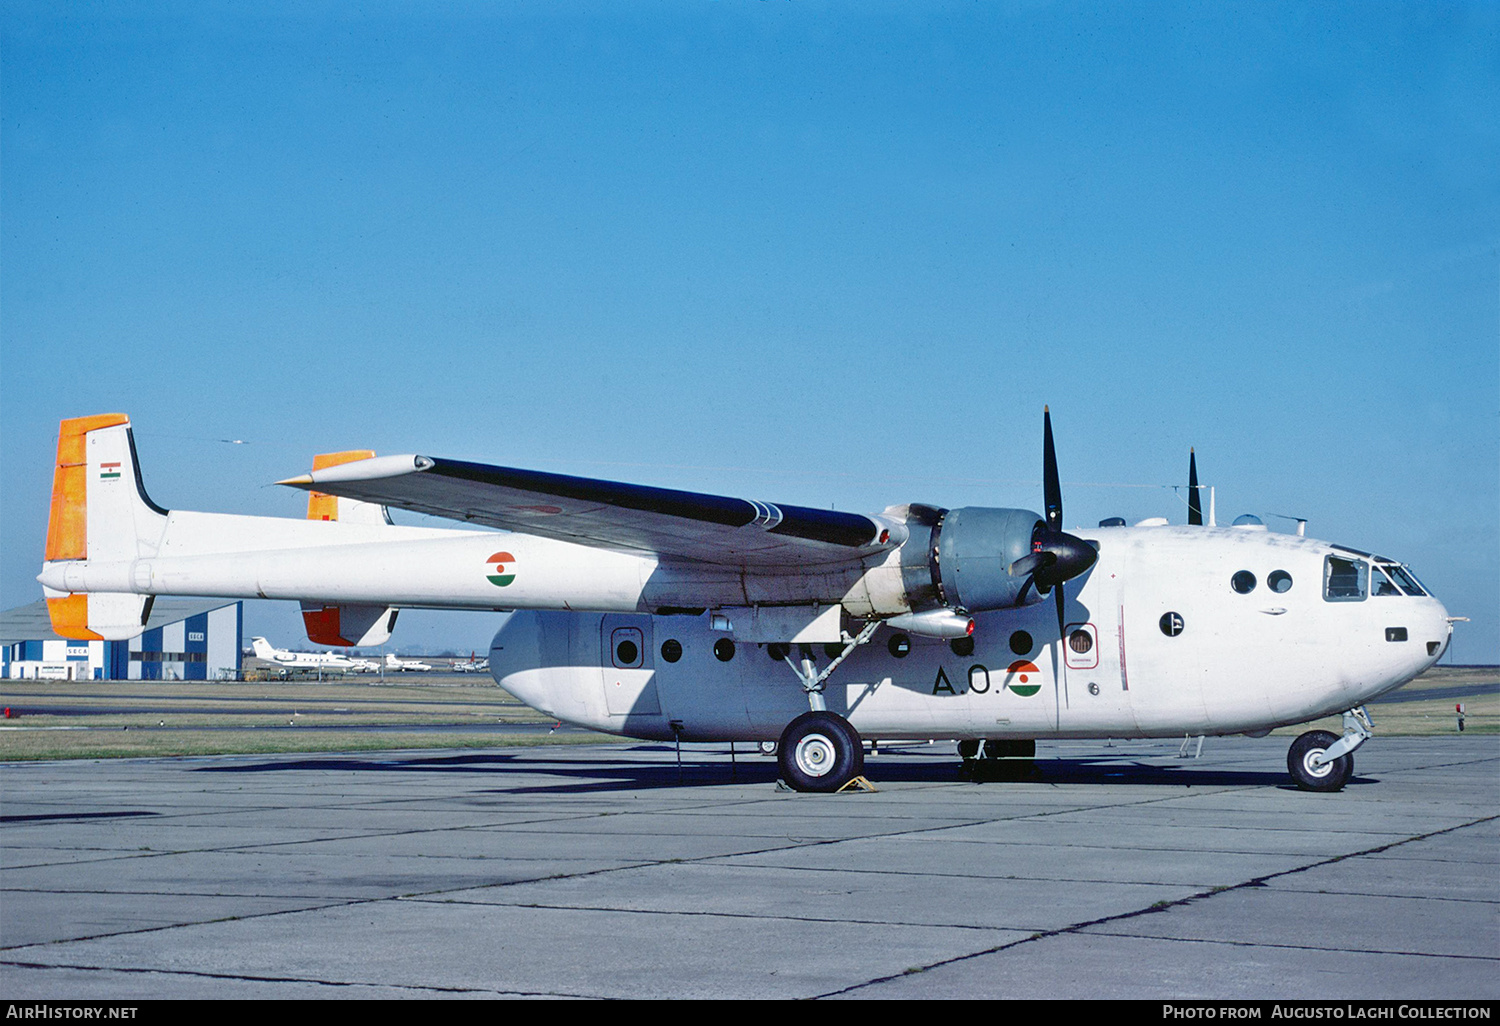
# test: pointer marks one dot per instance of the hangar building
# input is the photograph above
(184, 639)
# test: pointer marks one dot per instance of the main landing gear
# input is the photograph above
(1002, 759)
(1320, 760)
(820, 750)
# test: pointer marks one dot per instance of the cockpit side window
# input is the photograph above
(1405, 581)
(1344, 579)
(1380, 584)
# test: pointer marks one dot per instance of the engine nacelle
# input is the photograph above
(971, 553)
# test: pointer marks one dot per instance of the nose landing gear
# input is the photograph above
(1320, 760)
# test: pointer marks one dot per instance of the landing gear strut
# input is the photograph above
(820, 750)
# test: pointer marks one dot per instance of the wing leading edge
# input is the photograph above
(688, 525)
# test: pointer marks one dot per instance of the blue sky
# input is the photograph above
(827, 254)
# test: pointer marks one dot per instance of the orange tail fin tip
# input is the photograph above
(321, 505)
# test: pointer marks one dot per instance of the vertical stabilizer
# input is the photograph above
(100, 511)
(346, 625)
(322, 506)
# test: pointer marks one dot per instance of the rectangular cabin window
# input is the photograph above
(1344, 579)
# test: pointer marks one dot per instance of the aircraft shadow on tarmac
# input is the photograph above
(606, 774)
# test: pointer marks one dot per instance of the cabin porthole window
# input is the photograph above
(1243, 582)
(671, 650)
(1020, 643)
(723, 650)
(1280, 582)
(899, 645)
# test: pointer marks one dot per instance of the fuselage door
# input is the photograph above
(628, 667)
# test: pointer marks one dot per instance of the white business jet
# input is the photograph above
(290, 660)
(399, 665)
(655, 613)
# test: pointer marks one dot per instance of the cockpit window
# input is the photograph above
(1344, 579)
(1380, 584)
(1391, 577)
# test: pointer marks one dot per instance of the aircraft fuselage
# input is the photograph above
(1166, 636)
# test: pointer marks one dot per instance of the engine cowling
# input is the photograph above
(972, 550)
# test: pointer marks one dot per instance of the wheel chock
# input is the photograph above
(856, 784)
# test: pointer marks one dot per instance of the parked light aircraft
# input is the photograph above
(264, 650)
(392, 663)
(656, 613)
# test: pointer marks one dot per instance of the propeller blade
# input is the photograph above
(1031, 563)
(1195, 508)
(1051, 489)
(1055, 556)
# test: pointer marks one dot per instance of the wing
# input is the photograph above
(688, 525)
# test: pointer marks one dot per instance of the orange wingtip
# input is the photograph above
(67, 524)
(320, 505)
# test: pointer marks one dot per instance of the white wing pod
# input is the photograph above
(934, 623)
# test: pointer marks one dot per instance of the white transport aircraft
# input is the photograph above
(392, 663)
(663, 614)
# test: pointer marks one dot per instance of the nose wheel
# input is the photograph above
(820, 751)
(1308, 762)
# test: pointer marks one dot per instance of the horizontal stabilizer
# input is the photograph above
(100, 615)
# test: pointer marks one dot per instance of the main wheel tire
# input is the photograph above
(968, 749)
(820, 751)
(1309, 774)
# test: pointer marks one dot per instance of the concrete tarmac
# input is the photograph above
(1113, 871)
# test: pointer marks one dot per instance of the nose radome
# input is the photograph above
(1438, 629)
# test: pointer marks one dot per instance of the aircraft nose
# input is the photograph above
(1437, 628)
